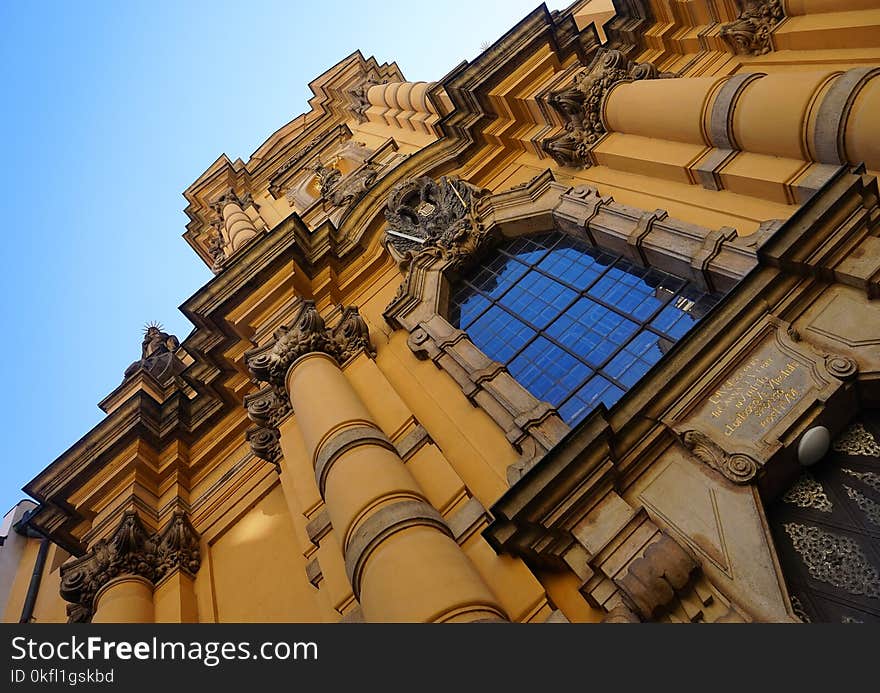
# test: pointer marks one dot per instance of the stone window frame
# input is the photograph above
(713, 260)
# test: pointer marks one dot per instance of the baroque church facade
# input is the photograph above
(588, 330)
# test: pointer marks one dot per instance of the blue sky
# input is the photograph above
(110, 111)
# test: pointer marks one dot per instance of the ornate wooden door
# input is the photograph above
(827, 530)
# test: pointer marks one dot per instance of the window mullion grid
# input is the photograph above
(643, 325)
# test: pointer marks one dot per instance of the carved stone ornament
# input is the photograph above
(280, 179)
(231, 197)
(267, 408)
(216, 245)
(265, 442)
(436, 219)
(750, 33)
(177, 546)
(342, 191)
(307, 333)
(157, 354)
(129, 551)
(652, 581)
(739, 468)
(581, 105)
(360, 102)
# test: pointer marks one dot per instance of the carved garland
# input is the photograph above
(307, 333)
(751, 32)
(581, 105)
(129, 551)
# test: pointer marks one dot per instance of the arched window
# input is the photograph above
(573, 324)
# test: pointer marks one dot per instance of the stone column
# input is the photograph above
(237, 226)
(125, 599)
(825, 117)
(400, 556)
(794, 8)
(404, 104)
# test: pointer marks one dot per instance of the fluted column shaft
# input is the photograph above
(400, 556)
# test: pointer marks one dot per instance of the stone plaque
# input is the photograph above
(769, 385)
(758, 393)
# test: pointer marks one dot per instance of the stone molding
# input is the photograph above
(343, 441)
(379, 526)
(581, 105)
(130, 550)
(752, 32)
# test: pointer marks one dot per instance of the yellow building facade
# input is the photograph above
(586, 331)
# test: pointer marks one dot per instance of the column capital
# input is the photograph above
(230, 197)
(130, 550)
(307, 333)
(177, 547)
(750, 33)
(581, 105)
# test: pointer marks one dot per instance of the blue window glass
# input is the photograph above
(574, 325)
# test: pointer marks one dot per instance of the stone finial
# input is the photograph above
(581, 105)
(157, 354)
(750, 33)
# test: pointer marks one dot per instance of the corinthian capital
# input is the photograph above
(307, 334)
(130, 550)
(581, 105)
(750, 33)
(231, 197)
